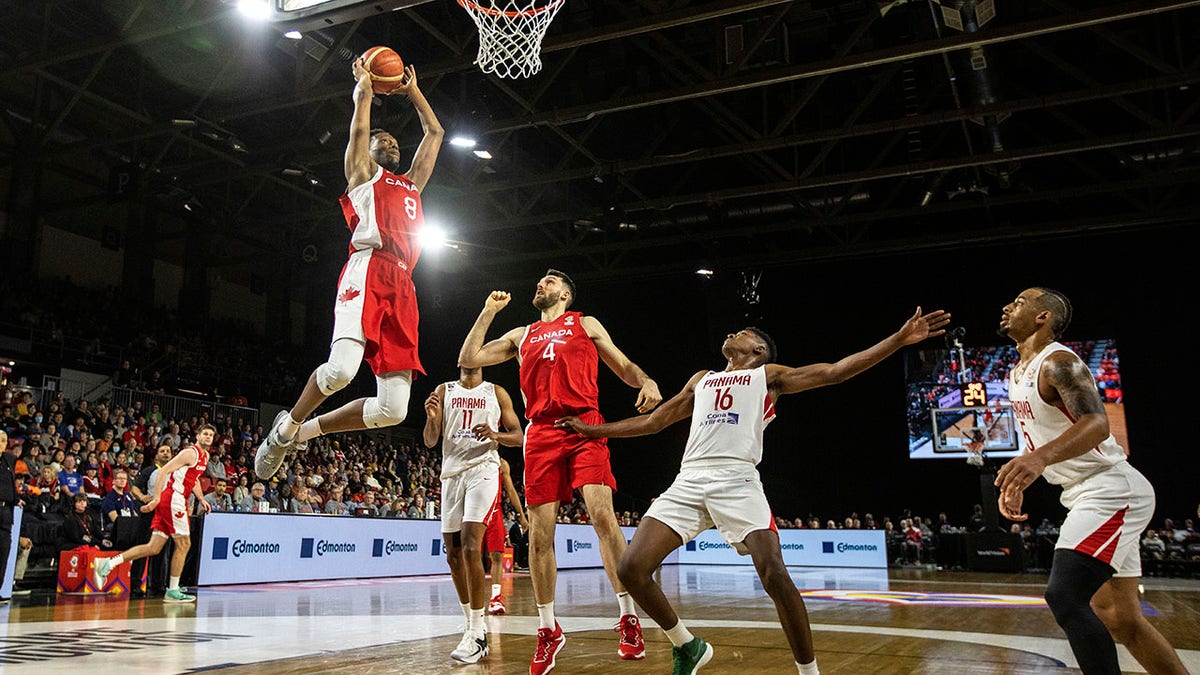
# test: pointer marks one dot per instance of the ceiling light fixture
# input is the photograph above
(462, 142)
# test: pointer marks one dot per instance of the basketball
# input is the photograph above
(387, 69)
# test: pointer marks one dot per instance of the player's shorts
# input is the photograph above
(493, 539)
(171, 515)
(1107, 514)
(729, 497)
(376, 304)
(559, 460)
(470, 495)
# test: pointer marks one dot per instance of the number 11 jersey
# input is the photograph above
(730, 409)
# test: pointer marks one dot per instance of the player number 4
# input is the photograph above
(548, 352)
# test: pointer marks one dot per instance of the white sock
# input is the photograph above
(116, 560)
(288, 427)
(626, 603)
(679, 635)
(174, 584)
(809, 668)
(546, 615)
(495, 590)
(475, 622)
(466, 608)
(310, 429)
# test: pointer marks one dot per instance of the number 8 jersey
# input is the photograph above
(729, 412)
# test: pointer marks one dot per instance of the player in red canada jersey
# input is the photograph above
(177, 480)
(375, 314)
(558, 358)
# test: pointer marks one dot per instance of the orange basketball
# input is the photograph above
(387, 69)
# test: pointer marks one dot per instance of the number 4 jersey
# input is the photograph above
(558, 369)
(462, 409)
(729, 412)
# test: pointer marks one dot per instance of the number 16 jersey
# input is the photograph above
(730, 409)
(558, 369)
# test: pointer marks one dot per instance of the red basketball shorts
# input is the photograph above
(559, 460)
(493, 538)
(171, 515)
(377, 305)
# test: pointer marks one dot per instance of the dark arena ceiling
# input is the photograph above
(657, 137)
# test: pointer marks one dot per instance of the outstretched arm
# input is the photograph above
(476, 354)
(512, 436)
(628, 371)
(433, 416)
(358, 165)
(784, 380)
(1064, 381)
(677, 408)
(427, 152)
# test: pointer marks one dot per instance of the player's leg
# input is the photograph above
(105, 566)
(183, 543)
(598, 500)
(345, 357)
(458, 570)
(793, 616)
(652, 543)
(388, 407)
(494, 545)
(1074, 579)
(1119, 607)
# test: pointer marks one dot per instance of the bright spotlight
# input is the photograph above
(462, 142)
(259, 10)
(432, 236)
(293, 35)
(482, 154)
(704, 272)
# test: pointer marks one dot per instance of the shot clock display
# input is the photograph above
(948, 417)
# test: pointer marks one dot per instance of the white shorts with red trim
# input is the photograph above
(470, 496)
(1108, 512)
(171, 515)
(729, 497)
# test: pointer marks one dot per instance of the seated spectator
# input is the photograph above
(301, 503)
(70, 483)
(1153, 546)
(119, 502)
(335, 506)
(242, 490)
(47, 484)
(416, 510)
(219, 499)
(80, 527)
(92, 487)
(256, 501)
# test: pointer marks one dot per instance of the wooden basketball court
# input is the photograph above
(865, 621)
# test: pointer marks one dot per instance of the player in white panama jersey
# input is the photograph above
(718, 482)
(1097, 562)
(467, 414)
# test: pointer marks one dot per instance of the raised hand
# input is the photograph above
(408, 84)
(497, 301)
(433, 405)
(922, 326)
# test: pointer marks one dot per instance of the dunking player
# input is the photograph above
(466, 414)
(177, 479)
(558, 357)
(718, 481)
(375, 315)
(1097, 562)
(496, 534)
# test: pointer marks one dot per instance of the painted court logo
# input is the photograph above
(914, 598)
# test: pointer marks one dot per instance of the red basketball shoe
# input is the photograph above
(549, 644)
(631, 646)
(496, 605)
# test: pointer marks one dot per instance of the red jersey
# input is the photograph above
(385, 214)
(558, 369)
(183, 480)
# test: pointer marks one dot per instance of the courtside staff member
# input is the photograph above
(8, 499)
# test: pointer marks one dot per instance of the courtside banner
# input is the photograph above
(240, 548)
(577, 546)
(809, 548)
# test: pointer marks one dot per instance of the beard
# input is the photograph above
(546, 301)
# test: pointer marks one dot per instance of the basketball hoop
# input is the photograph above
(510, 34)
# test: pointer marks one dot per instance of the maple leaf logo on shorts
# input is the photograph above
(349, 294)
(179, 514)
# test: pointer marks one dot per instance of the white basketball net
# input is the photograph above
(510, 34)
